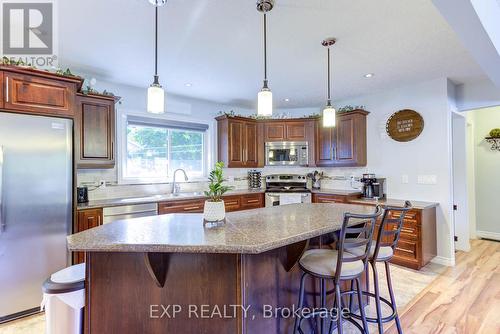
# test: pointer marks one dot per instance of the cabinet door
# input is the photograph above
(275, 131)
(345, 140)
(296, 131)
(250, 146)
(325, 146)
(32, 94)
(2, 89)
(95, 123)
(236, 141)
(86, 219)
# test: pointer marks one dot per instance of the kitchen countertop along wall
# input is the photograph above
(194, 195)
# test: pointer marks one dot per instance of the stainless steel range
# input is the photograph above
(286, 189)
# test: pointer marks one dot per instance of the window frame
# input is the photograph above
(164, 122)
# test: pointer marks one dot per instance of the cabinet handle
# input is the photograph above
(98, 220)
(112, 150)
(191, 208)
(6, 89)
(404, 250)
(231, 203)
(253, 201)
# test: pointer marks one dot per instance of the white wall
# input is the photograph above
(477, 94)
(487, 168)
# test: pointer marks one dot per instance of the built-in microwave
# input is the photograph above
(287, 153)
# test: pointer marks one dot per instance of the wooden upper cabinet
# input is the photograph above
(38, 94)
(275, 131)
(285, 130)
(95, 132)
(345, 144)
(296, 131)
(238, 142)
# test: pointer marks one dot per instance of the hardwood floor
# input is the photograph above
(463, 299)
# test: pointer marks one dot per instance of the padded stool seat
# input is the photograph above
(384, 253)
(324, 262)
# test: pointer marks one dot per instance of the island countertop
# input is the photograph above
(244, 232)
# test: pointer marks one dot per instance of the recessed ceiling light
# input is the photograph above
(369, 75)
(287, 100)
(188, 84)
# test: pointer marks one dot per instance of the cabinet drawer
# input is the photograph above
(26, 93)
(275, 131)
(406, 249)
(232, 203)
(186, 206)
(252, 201)
(318, 198)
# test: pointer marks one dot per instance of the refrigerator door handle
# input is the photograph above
(2, 223)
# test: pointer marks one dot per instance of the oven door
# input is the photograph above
(273, 199)
(286, 153)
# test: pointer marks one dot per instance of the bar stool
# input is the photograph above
(338, 266)
(383, 251)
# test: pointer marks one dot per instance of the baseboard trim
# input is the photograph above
(445, 261)
(488, 235)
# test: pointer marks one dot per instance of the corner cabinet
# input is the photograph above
(238, 142)
(95, 132)
(343, 145)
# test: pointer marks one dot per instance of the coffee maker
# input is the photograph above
(373, 187)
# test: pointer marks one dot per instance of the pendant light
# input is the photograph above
(329, 111)
(156, 94)
(265, 96)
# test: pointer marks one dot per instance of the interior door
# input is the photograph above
(36, 206)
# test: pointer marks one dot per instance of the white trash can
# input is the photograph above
(63, 300)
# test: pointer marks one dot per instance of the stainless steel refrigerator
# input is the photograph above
(35, 207)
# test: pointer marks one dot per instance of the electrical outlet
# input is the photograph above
(427, 179)
(102, 183)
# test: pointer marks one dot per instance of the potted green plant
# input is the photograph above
(495, 133)
(214, 206)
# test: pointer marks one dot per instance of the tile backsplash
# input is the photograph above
(335, 178)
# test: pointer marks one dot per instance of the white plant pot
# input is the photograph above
(214, 211)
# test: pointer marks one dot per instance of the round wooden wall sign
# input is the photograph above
(405, 125)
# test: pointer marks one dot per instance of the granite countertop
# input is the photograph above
(419, 205)
(104, 203)
(245, 232)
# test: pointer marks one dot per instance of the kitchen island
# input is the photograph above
(172, 274)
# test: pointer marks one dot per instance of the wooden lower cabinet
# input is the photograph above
(85, 220)
(330, 198)
(182, 206)
(417, 243)
(232, 203)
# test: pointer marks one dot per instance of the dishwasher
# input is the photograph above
(115, 213)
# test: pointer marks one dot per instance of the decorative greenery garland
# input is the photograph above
(231, 113)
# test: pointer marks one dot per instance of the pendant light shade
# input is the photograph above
(265, 102)
(265, 96)
(156, 94)
(156, 99)
(329, 112)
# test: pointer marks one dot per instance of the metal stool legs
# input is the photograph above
(393, 300)
(301, 302)
(377, 297)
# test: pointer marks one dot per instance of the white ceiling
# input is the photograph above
(217, 46)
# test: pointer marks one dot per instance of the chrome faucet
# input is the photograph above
(176, 188)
